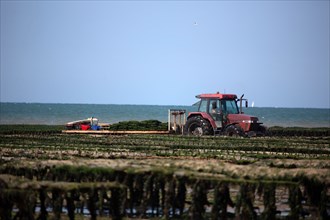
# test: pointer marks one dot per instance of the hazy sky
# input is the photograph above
(165, 52)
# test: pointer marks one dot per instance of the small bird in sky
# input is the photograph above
(195, 23)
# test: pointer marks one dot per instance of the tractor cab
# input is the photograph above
(218, 109)
(219, 114)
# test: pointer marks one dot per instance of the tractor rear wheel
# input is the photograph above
(234, 131)
(197, 126)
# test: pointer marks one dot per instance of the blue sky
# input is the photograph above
(165, 52)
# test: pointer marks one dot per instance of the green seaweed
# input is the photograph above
(147, 125)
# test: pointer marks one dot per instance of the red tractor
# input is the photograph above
(219, 114)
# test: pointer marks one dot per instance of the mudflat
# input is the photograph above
(157, 176)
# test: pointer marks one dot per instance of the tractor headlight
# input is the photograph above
(249, 121)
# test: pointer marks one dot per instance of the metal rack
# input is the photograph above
(176, 120)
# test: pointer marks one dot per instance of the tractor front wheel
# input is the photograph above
(234, 131)
(197, 126)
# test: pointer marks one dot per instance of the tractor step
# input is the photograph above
(217, 132)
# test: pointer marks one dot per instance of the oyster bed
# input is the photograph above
(163, 176)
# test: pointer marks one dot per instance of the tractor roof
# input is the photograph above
(217, 96)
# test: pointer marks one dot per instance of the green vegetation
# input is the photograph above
(162, 176)
(147, 125)
(299, 131)
(31, 129)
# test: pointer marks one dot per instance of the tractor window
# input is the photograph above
(229, 106)
(203, 105)
(214, 107)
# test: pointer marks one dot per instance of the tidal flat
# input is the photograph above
(282, 176)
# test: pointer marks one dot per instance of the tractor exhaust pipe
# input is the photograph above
(240, 104)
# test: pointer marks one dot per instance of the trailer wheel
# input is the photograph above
(234, 131)
(197, 126)
(76, 127)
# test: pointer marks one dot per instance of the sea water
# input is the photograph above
(56, 114)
